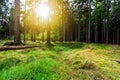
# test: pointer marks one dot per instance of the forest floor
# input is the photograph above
(61, 61)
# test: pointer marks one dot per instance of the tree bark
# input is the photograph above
(118, 35)
(24, 36)
(32, 35)
(89, 27)
(64, 32)
(96, 27)
(79, 29)
(17, 39)
(43, 36)
(48, 34)
(107, 23)
(4, 48)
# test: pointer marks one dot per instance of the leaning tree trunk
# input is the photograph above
(17, 40)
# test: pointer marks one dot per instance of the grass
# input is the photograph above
(61, 61)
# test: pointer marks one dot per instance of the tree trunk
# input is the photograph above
(43, 36)
(24, 36)
(64, 32)
(96, 30)
(96, 33)
(48, 34)
(96, 27)
(25, 23)
(107, 23)
(32, 35)
(89, 27)
(17, 39)
(79, 29)
(118, 36)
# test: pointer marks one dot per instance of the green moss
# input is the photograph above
(37, 70)
(61, 61)
(8, 62)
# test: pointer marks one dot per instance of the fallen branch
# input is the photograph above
(117, 61)
(3, 48)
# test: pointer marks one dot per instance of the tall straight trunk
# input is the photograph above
(60, 30)
(32, 35)
(64, 32)
(60, 35)
(43, 37)
(96, 27)
(100, 29)
(86, 32)
(96, 33)
(89, 27)
(17, 39)
(48, 34)
(107, 23)
(79, 29)
(118, 32)
(25, 22)
(113, 37)
(104, 34)
(71, 34)
(24, 36)
(103, 31)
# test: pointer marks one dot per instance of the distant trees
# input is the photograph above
(75, 20)
(4, 19)
(102, 20)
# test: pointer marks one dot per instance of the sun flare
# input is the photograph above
(43, 11)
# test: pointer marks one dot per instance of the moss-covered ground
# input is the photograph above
(61, 61)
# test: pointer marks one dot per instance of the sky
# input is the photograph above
(11, 1)
(23, 1)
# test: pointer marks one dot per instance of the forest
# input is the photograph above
(59, 39)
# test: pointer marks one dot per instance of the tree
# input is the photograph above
(107, 21)
(89, 27)
(96, 27)
(17, 39)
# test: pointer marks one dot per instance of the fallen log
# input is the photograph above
(118, 61)
(3, 48)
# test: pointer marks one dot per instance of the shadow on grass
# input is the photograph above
(55, 47)
(65, 46)
(9, 62)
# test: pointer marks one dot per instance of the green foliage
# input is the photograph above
(37, 70)
(1, 28)
(8, 62)
(61, 61)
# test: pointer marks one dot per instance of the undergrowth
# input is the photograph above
(61, 61)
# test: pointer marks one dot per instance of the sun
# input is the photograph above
(43, 11)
